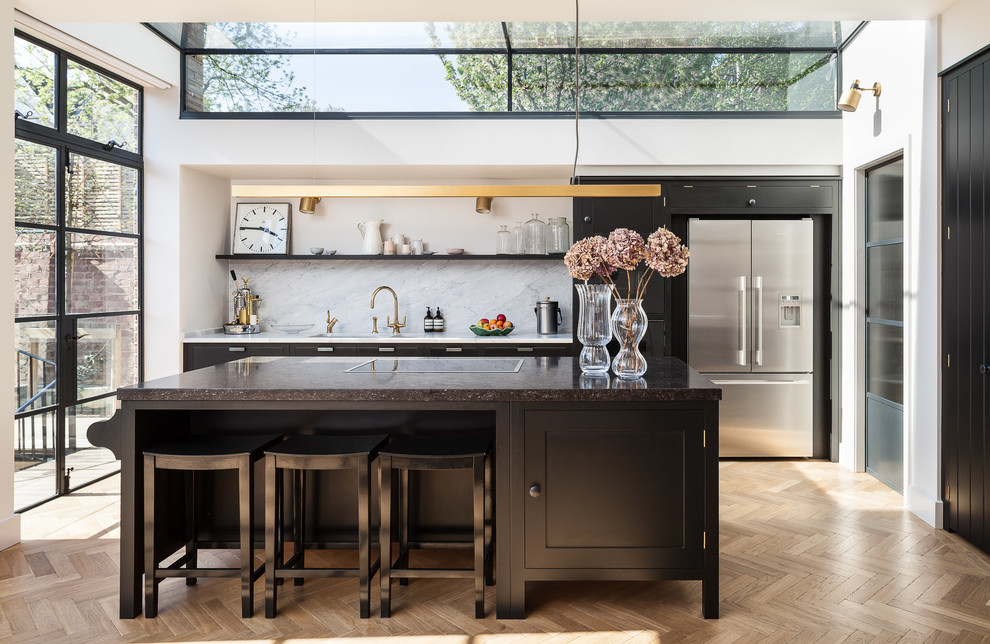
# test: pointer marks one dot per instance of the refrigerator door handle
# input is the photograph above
(758, 283)
(741, 353)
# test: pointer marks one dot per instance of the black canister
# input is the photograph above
(548, 317)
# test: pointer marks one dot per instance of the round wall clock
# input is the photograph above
(261, 229)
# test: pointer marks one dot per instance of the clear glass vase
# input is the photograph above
(593, 330)
(629, 327)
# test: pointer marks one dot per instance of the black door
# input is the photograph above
(965, 278)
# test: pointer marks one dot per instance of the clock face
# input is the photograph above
(261, 228)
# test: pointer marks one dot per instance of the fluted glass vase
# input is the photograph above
(629, 327)
(593, 330)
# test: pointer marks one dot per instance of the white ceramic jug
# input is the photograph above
(371, 233)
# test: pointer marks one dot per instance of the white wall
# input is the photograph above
(964, 31)
(203, 200)
(10, 525)
(902, 56)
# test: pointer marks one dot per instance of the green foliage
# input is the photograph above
(245, 82)
(674, 82)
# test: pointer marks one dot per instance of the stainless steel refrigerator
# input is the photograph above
(751, 307)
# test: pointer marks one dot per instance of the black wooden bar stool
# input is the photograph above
(299, 454)
(448, 452)
(197, 453)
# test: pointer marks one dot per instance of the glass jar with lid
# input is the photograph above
(536, 236)
(559, 236)
(505, 242)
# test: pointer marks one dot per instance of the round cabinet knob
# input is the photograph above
(752, 202)
(534, 490)
(983, 368)
(587, 220)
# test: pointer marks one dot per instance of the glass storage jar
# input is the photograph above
(505, 242)
(559, 238)
(519, 233)
(536, 236)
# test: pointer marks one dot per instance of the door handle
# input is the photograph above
(524, 349)
(758, 283)
(534, 490)
(325, 349)
(983, 368)
(235, 348)
(453, 349)
(741, 353)
(386, 349)
(73, 338)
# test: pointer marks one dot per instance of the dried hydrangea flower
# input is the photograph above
(602, 269)
(584, 259)
(624, 249)
(665, 254)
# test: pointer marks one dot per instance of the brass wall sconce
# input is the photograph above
(849, 100)
(307, 205)
(483, 205)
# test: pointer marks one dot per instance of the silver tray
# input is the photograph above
(240, 329)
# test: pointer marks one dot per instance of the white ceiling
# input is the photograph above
(474, 10)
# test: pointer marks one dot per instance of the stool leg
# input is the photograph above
(364, 548)
(245, 486)
(404, 521)
(150, 581)
(385, 532)
(272, 501)
(479, 537)
(191, 550)
(489, 521)
(299, 525)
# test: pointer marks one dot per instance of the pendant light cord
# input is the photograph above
(577, 89)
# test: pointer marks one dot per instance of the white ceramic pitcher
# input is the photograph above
(371, 233)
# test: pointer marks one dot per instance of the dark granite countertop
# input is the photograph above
(533, 379)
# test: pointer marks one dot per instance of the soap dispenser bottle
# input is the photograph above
(428, 321)
(439, 324)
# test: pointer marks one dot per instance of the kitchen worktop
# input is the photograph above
(448, 337)
(422, 379)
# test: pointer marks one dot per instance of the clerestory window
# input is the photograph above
(449, 70)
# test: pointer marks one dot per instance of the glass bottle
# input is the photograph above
(519, 233)
(428, 321)
(536, 236)
(439, 324)
(559, 239)
(505, 243)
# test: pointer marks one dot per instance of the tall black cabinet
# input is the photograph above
(965, 281)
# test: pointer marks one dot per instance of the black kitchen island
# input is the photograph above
(596, 478)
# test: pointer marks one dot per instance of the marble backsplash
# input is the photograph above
(297, 292)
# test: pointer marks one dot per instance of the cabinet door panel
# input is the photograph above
(328, 350)
(617, 489)
(387, 350)
(198, 356)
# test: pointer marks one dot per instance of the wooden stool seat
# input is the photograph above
(299, 454)
(193, 454)
(436, 452)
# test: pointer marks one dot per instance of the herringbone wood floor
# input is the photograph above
(809, 552)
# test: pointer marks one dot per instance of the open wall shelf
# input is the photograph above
(392, 258)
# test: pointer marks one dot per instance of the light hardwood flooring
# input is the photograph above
(809, 552)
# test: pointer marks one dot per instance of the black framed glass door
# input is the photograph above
(77, 265)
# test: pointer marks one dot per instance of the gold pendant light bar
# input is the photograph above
(351, 192)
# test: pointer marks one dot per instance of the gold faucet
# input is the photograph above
(330, 322)
(394, 325)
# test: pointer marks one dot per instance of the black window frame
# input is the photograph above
(509, 51)
(65, 145)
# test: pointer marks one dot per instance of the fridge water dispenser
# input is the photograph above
(790, 311)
